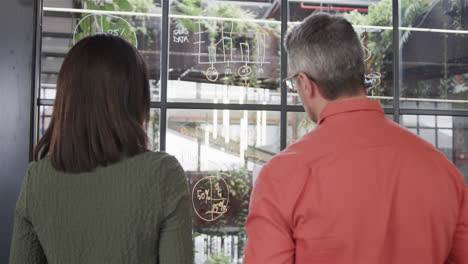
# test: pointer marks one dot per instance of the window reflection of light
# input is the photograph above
(126, 13)
(264, 119)
(225, 115)
(211, 158)
(215, 120)
(259, 128)
(186, 91)
(103, 12)
(207, 136)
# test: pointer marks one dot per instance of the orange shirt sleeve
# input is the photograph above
(270, 238)
(459, 252)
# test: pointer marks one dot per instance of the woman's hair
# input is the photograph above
(101, 107)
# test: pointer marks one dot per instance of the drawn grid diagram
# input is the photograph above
(229, 51)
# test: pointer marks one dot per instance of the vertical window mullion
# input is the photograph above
(284, 71)
(36, 75)
(396, 60)
(164, 73)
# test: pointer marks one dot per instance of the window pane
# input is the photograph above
(460, 144)
(409, 120)
(450, 140)
(224, 52)
(427, 121)
(372, 20)
(227, 148)
(299, 124)
(444, 121)
(413, 130)
(45, 114)
(433, 38)
(445, 139)
(428, 135)
(153, 130)
(66, 22)
(423, 121)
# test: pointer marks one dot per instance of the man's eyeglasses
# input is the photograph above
(290, 82)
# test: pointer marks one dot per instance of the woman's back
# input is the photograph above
(134, 211)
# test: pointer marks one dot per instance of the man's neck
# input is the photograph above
(315, 115)
(344, 98)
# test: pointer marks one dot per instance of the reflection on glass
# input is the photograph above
(153, 130)
(45, 115)
(372, 20)
(66, 22)
(299, 124)
(222, 152)
(447, 133)
(409, 120)
(428, 135)
(433, 38)
(445, 138)
(224, 52)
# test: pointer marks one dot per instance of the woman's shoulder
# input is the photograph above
(159, 167)
(39, 166)
(153, 158)
(149, 161)
(156, 162)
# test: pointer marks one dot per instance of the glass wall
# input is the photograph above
(434, 59)
(216, 85)
(66, 22)
(224, 52)
(372, 20)
(446, 133)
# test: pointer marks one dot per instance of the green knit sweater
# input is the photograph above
(135, 211)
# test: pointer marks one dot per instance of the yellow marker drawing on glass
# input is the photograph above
(210, 198)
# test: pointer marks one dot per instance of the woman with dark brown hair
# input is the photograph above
(95, 194)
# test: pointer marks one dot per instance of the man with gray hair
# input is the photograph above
(359, 189)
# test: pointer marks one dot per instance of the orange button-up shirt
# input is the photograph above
(358, 189)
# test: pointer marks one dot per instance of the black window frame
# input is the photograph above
(163, 105)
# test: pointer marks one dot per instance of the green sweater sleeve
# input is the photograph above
(25, 246)
(176, 244)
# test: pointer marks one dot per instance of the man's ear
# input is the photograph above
(309, 87)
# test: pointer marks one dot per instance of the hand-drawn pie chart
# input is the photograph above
(210, 198)
(94, 24)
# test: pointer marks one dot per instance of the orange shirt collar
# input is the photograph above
(353, 105)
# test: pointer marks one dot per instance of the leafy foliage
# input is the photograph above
(219, 258)
(244, 23)
(380, 42)
(110, 23)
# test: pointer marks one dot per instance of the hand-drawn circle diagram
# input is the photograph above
(210, 198)
(94, 24)
(212, 74)
(244, 71)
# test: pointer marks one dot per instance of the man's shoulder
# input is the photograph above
(310, 145)
(415, 150)
(403, 138)
(293, 160)
(321, 142)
